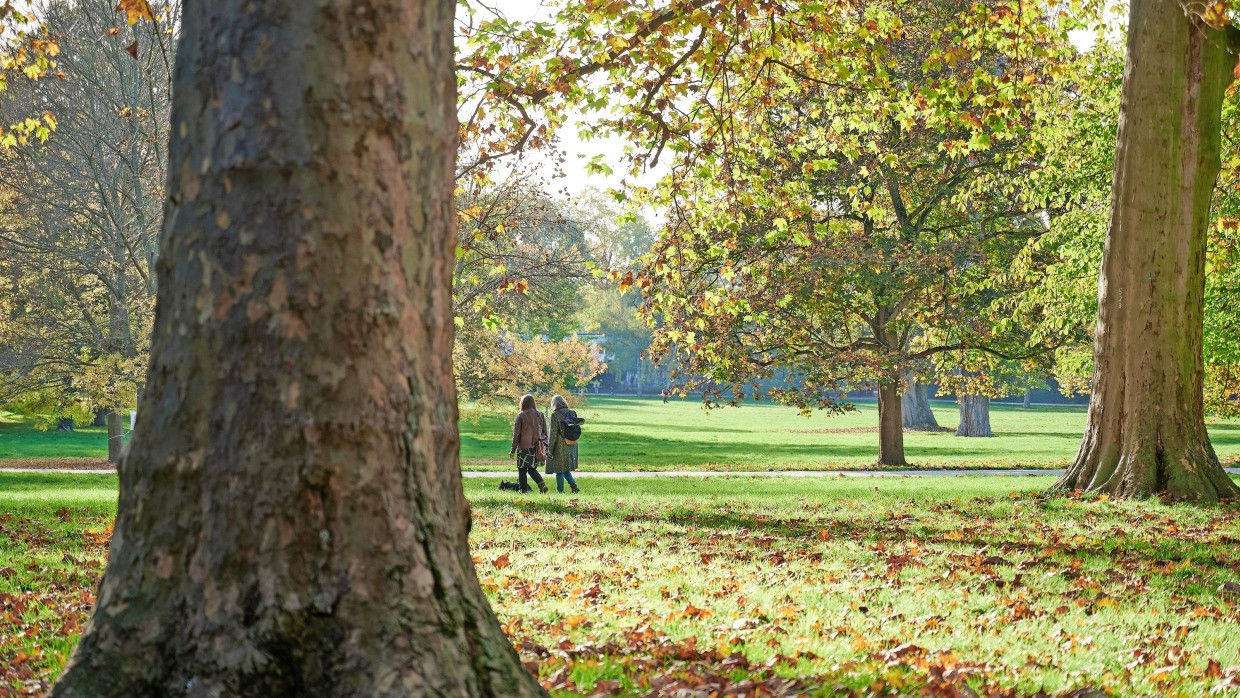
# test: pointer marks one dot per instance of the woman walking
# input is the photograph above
(562, 459)
(529, 442)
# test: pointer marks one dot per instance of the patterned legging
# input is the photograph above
(527, 466)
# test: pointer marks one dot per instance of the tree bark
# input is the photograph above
(101, 418)
(974, 416)
(1146, 430)
(291, 519)
(116, 437)
(1027, 402)
(64, 424)
(915, 407)
(890, 427)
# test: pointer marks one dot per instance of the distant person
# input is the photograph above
(565, 431)
(529, 443)
(664, 394)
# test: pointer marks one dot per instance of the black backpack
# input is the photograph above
(572, 428)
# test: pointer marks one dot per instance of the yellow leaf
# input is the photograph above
(135, 10)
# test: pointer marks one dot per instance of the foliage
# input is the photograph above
(1221, 343)
(520, 257)
(28, 50)
(947, 587)
(495, 368)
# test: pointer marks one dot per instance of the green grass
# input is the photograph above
(20, 440)
(629, 433)
(893, 586)
(54, 533)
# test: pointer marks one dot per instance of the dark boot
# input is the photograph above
(576, 490)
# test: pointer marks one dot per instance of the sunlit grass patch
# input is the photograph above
(920, 585)
(791, 586)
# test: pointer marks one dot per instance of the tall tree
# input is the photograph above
(835, 215)
(1146, 431)
(291, 518)
(81, 214)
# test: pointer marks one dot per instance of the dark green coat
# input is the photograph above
(559, 460)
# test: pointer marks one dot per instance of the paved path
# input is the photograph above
(707, 473)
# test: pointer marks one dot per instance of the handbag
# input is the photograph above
(540, 451)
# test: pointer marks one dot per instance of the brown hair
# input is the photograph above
(527, 402)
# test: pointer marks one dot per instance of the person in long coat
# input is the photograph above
(529, 434)
(562, 457)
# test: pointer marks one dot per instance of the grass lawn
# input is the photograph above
(629, 433)
(810, 586)
(20, 441)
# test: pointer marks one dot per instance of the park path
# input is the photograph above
(929, 472)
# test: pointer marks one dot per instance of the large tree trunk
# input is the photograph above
(1146, 430)
(890, 428)
(915, 409)
(1027, 402)
(291, 519)
(974, 416)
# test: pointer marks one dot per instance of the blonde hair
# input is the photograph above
(557, 402)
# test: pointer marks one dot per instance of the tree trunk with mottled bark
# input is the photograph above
(291, 519)
(974, 416)
(1027, 402)
(915, 412)
(890, 425)
(1146, 431)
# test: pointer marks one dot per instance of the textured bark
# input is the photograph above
(974, 416)
(915, 409)
(64, 424)
(890, 427)
(1028, 400)
(291, 519)
(116, 436)
(1146, 431)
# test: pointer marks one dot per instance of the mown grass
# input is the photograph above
(824, 586)
(628, 433)
(20, 440)
(888, 587)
